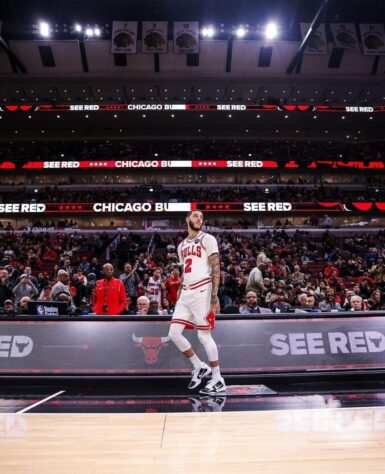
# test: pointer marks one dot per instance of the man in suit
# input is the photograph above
(251, 306)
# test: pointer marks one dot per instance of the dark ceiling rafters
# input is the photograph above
(297, 58)
(16, 64)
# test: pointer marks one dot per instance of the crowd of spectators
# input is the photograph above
(152, 178)
(276, 273)
(194, 193)
(269, 272)
(30, 262)
(209, 149)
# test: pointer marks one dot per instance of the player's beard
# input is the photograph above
(195, 229)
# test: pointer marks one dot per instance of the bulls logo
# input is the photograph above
(15, 346)
(151, 346)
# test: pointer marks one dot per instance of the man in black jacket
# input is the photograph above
(8, 310)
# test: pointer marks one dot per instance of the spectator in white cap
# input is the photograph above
(24, 288)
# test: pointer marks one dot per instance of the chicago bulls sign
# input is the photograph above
(151, 346)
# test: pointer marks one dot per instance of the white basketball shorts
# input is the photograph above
(193, 308)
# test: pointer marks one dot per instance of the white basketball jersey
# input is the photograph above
(194, 255)
(154, 291)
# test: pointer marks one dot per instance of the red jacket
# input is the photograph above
(172, 287)
(329, 270)
(110, 293)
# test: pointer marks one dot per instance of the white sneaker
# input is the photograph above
(215, 404)
(198, 374)
(214, 387)
(196, 404)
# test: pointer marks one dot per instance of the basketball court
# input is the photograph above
(93, 427)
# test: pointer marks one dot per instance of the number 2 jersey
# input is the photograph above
(194, 256)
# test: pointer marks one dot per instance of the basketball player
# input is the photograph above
(198, 302)
(155, 286)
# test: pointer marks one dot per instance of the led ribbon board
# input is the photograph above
(101, 208)
(202, 163)
(160, 107)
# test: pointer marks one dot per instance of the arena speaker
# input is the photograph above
(120, 59)
(192, 59)
(335, 58)
(265, 53)
(46, 56)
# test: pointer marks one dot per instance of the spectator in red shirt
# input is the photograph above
(110, 295)
(50, 255)
(329, 269)
(365, 278)
(173, 283)
(333, 280)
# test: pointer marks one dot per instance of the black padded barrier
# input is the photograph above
(136, 345)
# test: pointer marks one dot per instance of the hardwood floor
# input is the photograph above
(296, 441)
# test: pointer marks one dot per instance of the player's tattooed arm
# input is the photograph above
(215, 276)
(181, 282)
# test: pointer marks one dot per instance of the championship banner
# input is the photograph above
(373, 38)
(345, 36)
(186, 37)
(154, 37)
(124, 37)
(317, 43)
(120, 346)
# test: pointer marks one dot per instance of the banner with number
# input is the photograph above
(317, 43)
(124, 36)
(373, 38)
(345, 36)
(186, 37)
(154, 37)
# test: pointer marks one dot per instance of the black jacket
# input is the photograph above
(5, 294)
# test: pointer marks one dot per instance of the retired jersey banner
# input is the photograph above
(154, 37)
(317, 43)
(345, 36)
(186, 37)
(373, 38)
(124, 37)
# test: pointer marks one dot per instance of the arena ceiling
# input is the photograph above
(85, 72)
(19, 15)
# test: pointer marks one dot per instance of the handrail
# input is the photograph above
(108, 248)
